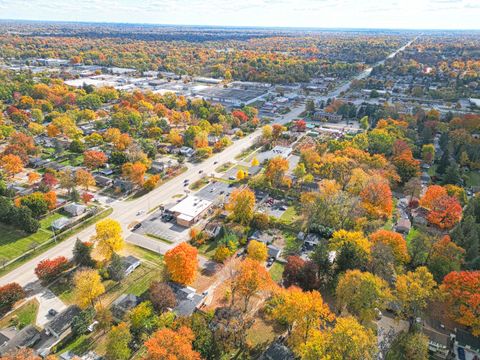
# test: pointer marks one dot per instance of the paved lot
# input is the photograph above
(215, 191)
(170, 231)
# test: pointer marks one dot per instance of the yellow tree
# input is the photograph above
(33, 177)
(242, 205)
(248, 279)
(347, 340)
(182, 263)
(11, 164)
(84, 178)
(413, 290)
(304, 312)
(356, 238)
(361, 293)
(255, 162)
(276, 169)
(108, 237)
(240, 175)
(257, 251)
(88, 287)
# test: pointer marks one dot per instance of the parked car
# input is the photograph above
(52, 312)
(137, 226)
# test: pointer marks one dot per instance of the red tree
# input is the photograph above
(48, 269)
(293, 270)
(94, 159)
(445, 212)
(9, 295)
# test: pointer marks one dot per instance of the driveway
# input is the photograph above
(47, 300)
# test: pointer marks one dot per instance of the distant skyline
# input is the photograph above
(386, 14)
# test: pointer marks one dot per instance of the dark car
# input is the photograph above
(52, 312)
(137, 226)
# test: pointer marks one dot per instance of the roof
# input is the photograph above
(60, 223)
(464, 338)
(273, 251)
(187, 299)
(277, 351)
(74, 208)
(191, 206)
(61, 322)
(26, 337)
(129, 261)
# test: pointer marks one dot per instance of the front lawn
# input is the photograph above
(208, 248)
(199, 184)
(276, 271)
(23, 316)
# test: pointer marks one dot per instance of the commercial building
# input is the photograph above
(188, 211)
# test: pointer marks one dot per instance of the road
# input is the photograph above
(125, 212)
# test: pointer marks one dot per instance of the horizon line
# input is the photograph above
(237, 26)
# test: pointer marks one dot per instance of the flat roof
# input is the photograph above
(191, 207)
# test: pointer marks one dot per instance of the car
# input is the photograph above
(270, 262)
(52, 312)
(137, 226)
(92, 326)
(282, 208)
(140, 212)
(215, 162)
(200, 171)
(231, 178)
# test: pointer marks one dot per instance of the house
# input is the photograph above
(124, 304)
(91, 355)
(162, 164)
(277, 351)
(187, 299)
(273, 251)
(188, 211)
(60, 325)
(310, 186)
(403, 226)
(419, 216)
(425, 178)
(103, 181)
(186, 151)
(260, 236)
(466, 346)
(75, 209)
(106, 172)
(124, 185)
(24, 338)
(60, 223)
(130, 263)
(310, 241)
(438, 343)
(321, 115)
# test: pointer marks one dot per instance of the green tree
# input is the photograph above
(118, 341)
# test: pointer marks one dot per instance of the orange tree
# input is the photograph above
(182, 263)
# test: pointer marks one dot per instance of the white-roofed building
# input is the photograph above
(188, 211)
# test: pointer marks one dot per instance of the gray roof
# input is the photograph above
(26, 337)
(129, 260)
(187, 299)
(61, 322)
(277, 351)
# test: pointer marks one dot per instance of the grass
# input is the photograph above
(245, 153)
(14, 242)
(63, 289)
(78, 345)
(224, 167)
(208, 249)
(473, 178)
(144, 254)
(199, 184)
(289, 216)
(276, 271)
(23, 316)
(292, 244)
(159, 238)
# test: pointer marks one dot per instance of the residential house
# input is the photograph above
(277, 351)
(130, 263)
(124, 185)
(60, 223)
(419, 216)
(466, 346)
(123, 305)
(60, 325)
(321, 115)
(273, 251)
(186, 151)
(403, 226)
(22, 339)
(187, 299)
(260, 236)
(75, 209)
(103, 181)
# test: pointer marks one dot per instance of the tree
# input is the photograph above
(303, 312)
(247, 280)
(377, 199)
(394, 241)
(151, 183)
(445, 257)
(134, 172)
(36, 203)
(413, 290)
(108, 237)
(364, 124)
(257, 251)
(84, 178)
(409, 346)
(182, 263)
(104, 317)
(168, 344)
(276, 169)
(47, 269)
(51, 199)
(428, 153)
(361, 294)
(433, 193)
(88, 287)
(23, 354)
(255, 162)
(407, 166)
(240, 175)
(161, 296)
(118, 341)
(356, 238)
(94, 159)
(293, 270)
(115, 269)
(11, 164)
(33, 177)
(461, 292)
(445, 212)
(242, 204)
(142, 319)
(348, 340)
(81, 321)
(82, 254)
(9, 295)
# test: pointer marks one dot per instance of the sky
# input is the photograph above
(386, 14)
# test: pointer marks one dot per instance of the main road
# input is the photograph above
(125, 212)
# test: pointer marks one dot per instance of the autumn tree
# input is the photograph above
(407, 166)
(411, 345)
(413, 290)
(377, 199)
(168, 344)
(242, 204)
(161, 296)
(134, 172)
(445, 212)
(48, 269)
(292, 271)
(445, 257)
(303, 312)
(248, 279)
(108, 237)
(9, 295)
(118, 341)
(428, 153)
(394, 241)
(355, 238)
(94, 159)
(347, 340)
(361, 293)
(88, 287)
(84, 178)
(432, 194)
(276, 169)
(257, 250)
(11, 164)
(182, 263)
(461, 292)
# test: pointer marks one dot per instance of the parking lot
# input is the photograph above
(272, 207)
(157, 227)
(215, 191)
